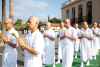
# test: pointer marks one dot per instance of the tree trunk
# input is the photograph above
(3, 15)
(11, 10)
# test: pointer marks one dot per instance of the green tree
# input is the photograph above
(48, 18)
(44, 22)
(55, 20)
(22, 28)
(17, 28)
(18, 22)
(40, 23)
(26, 26)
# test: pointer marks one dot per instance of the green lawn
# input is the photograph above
(77, 62)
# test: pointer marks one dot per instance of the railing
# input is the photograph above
(78, 19)
(81, 19)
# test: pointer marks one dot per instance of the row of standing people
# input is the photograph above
(39, 48)
(67, 37)
(87, 38)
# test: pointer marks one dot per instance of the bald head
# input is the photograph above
(85, 24)
(98, 25)
(67, 23)
(62, 25)
(76, 25)
(95, 24)
(8, 23)
(35, 19)
(33, 22)
(8, 20)
(48, 25)
(67, 20)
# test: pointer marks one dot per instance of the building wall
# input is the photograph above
(95, 10)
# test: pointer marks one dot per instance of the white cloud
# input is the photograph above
(20, 8)
(23, 10)
(31, 3)
(43, 18)
(15, 14)
(18, 14)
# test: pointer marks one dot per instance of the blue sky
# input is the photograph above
(23, 9)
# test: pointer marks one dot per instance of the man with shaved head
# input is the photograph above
(99, 25)
(33, 44)
(96, 35)
(86, 36)
(69, 36)
(76, 43)
(60, 42)
(49, 49)
(9, 58)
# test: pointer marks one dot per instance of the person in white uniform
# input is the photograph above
(9, 58)
(86, 36)
(33, 45)
(60, 42)
(96, 35)
(69, 36)
(76, 43)
(49, 47)
(99, 33)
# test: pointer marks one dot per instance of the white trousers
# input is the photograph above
(9, 58)
(32, 61)
(85, 49)
(67, 55)
(60, 48)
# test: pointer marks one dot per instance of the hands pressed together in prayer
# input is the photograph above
(4, 38)
(45, 34)
(66, 34)
(20, 42)
(83, 35)
(94, 32)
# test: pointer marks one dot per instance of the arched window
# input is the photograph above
(80, 12)
(89, 12)
(73, 14)
(67, 14)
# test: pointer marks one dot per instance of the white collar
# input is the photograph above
(86, 29)
(32, 33)
(68, 28)
(12, 30)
